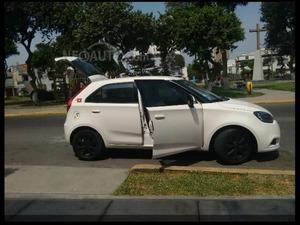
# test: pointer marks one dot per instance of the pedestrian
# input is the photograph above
(70, 80)
(222, 80)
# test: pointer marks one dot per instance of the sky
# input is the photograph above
(249, 16)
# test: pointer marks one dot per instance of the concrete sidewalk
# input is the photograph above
(51, 193)
(57, 180)
(269, 97)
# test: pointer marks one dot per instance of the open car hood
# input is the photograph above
(84, 67)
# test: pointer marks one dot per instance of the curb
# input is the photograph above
(140, 167)
(41, 196)
(34, 114)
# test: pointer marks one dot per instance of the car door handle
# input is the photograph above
(96, 111)
(159, 117)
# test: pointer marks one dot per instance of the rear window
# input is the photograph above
(115, 93)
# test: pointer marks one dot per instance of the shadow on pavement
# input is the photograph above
(182, 159)
(130, 154)
(186, 159)
(9, 171)
(266, 156)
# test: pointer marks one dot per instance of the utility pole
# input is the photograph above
(257, 30)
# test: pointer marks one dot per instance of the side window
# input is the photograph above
(161, 93)
(114, 93)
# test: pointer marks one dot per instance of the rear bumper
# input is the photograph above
(67, 133)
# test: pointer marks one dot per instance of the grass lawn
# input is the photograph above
(15, 100)
(284, 86)
(234, 92)
(26, 101)
(140, 183)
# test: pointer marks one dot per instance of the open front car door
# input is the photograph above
(174, 119)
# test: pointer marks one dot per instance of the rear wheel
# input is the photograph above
(88, 145)
(234, 146)
(35, 98)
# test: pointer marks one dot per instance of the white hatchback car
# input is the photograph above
(166, 114)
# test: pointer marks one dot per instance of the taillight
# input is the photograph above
(69, 103)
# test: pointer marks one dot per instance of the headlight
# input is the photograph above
(264, 116)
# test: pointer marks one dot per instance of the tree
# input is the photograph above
(199, 30)
(23, 20)
(268, 61)
(228, 6)
(115, 24)
(43, 56)
(141, 63)
(179, 61)
(10, 49)
(279, 19)
(197, 70)
(164, 39)
(175, 61)
(247, 66)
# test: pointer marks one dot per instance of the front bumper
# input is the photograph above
(268, 137)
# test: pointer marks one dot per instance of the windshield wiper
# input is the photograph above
(217, 100)
(225, 98)
(220, 99)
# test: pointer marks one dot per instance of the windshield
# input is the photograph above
(202, 95)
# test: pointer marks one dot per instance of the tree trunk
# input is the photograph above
(224, 62)
(208, 82)
(208, 85)
(121, 65)
(164, 64)
(5, 70)
(28, 63)
(31, 74)
(291, 68)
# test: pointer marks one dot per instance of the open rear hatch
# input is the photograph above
(86, 68)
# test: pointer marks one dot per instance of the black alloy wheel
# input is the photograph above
(88, 145)
(234, 146)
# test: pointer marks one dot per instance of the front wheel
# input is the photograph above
(234, 146)
(88, 145)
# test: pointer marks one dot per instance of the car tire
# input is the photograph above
(35, 97)
(234, 146)
(88, 145)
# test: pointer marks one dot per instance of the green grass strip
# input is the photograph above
(234, 93)
(140, 183)
(284, 86)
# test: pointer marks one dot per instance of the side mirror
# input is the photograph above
(190, 101)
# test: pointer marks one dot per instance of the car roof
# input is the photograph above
(131, 79)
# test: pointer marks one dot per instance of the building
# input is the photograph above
(14, 82)
(270, 63)
(17, 80)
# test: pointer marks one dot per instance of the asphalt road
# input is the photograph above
(40, 141)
